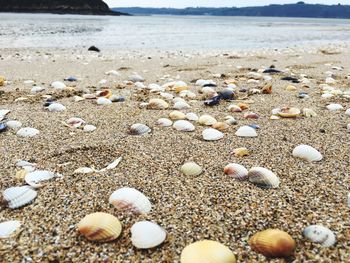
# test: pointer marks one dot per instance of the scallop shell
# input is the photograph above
(103, 101)
(8, 228)
(273, 243)
(236, 171)
(207, 120)
(14, 125)
(139, 129)
(207, 251)
(58, 85)
(130, 199)
(221, 126)
(263, 177)
(177, 115)
(56, 107)
(164, 122)
(182, 125)
(307, 152)
(147, 234)
(16, 197)
(192, 116)
(212, 134)
(27, 132)
(34, 178)
(246, 131)
(181, 105)
(100, 227)
(289, 112)
(334, 107)
(157, 104)
(191, 169)
(320, 234)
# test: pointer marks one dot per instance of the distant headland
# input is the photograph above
(299, 9)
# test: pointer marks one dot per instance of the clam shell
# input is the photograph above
(251, 115)
(320, 234)
(14, 125)
(187, 94)
(236, 171)
(289, 112)
(273, 243)
(334, 107)
(155, 87)
(246, 131)
(347, 112)
(8, 228)
(177, 115)
(307, 152)
(263, 177)
(139, 129)
(167, 96)
(89, 128)
(164, 122)
(243, 106)
(181, 105)
(100, 227)
(207, 251)
(191, 169)
(182, 125)
(192, 116)
(16, 197)
(130, 199)
(207, 120)
(56, 107)
(234, 108)
(3, 113)
(230, 120)
(212, 134)
(106, 93)
(147, 234)
(309, 113)
(34, 178)
(157, 104)
(27, 132)
(221, 126)
(75, 122)
(58, 85)
(241, 152)
(103, 101)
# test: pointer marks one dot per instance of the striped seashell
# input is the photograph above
(146, 234)
(236, 170)
(177, 115)
(15, 197)
(182, 125)
(139, 129)
(192, 116)
(191, 169)
(181, 105)
(34, 178)
(307, 152)
(8, 228)
(157, 104)
(263, 177)
(164, 122)
(221, 126)
(320, 234)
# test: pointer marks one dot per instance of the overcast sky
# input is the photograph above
(210, 3)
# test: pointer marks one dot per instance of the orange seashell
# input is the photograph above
(180, 88)
(273, 243)
(107, 93)
(241, 152)
(267, 89)
(221, 126)
(243, 106)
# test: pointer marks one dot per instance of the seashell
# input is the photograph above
(349, 200)
(8, 228)
(263, 177)
(71, 79)
(204, 82)
(84, 170)
(177, 115)
(27, 132)
(89, 96)
(213, 101)
(208, 91)
(103, 101)
(241, 152)
(106, 93)
(3, 127)
(3, 113)
(164, 122)
(267, 89)
(21, 174)
(113, 164)
(234, 108)
(289, 112)
(2, 81)
(37, 89)
(191, 169)
(182, 125)
(89, 128)
(136, 78)
(178, 99)
(221, 126)
(291, 88)
(167, 96)
(227, 94)
(102, 82)
(192, 116)
(146, 234)
(207, 251)
(274, 117)
(307, 152)
(320, 234)
(334, 107)
(254, 126)
(327, 96)
(347, 112)
(236, 171)
(56, 107)
(309, 113)
(243, 106)
(230, 120)
(212, 134)
(113, 73)
(22, 164)
(254, 91)
(101, 227)
(348, 127)
(130, 199)
(187, 94)
(179, 89)
(275, 111)
(251, 115)
(139, 129)
(75, 122)
(58, 85)
(181, 105)
(14, 125)
(38, 176)
(207, 120)
(273, 243)
(15, 197)
(246, 131)
(157, 104)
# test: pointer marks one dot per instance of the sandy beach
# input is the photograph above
(211, 205)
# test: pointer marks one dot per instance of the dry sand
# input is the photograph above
(210, 206)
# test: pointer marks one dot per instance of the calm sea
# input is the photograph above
(168, 32)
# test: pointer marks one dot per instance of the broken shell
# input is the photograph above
(3, 113)
(273, 243)
(309, 113)
(221, 126)
(177, 115)
(241, 152)
(139, 129)
(207, 251)
(35, 177)
(14, 125)
(234, 108)
(212, 134)
(15, 197)
(58, 85)
(181, 105)
(56, 107)
(157, 104)
(89, 96)
(2, 81)
(130, 199)
(21, 174)
(243, 106)
(103, 101)
(84, 170)
(164, 122)
(100, 227)
(289, 112)
(263, 177)
(334, 107)
(147, 234)
(192, 116)
(236, 171)
(89, 128)
(320, 234)
(191, 169)
(27, 132)
(207, 120)
(307, 152)
(267, 89)
(246, 131)
(182, 125)
(8, 228)
(251, 115)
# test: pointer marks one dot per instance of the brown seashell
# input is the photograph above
(251, 115)
(107, 93)
(273, 243)
(243, 106)
(267, 89)
(221, 126)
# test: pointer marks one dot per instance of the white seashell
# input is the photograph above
(254, 75)
(181, 105)
(136, 78)
(320, 234)
(208, 90)
(146, 234)
(191, 169)
(246, 131)
(230, 120)
(207, 120)
(27, 132)
(263, 177)
(192, 116)
(164, 122)
(75, 122)
(347, 112)
(113, 73)
(140, 85)
(130, 199)
(28, 82)
(202, 82)
(14, 124)
(8, 228)
(330, 80)
(56, 107)
(139, 129)
(157, 104)
(349, 200)
(16, 197)
(3, 113)
(84, 170)
(177, 115)
(307, 152)
(58, 85)
(34, 178)
(236, 171)
(275, 111)
(22, 163)
(178, 99)
(334, 107)
(187, 94)
(327, 96)
(212, 134)
(182, 125)
(102, 81)
(103, 101)
(167, 96)
(113, 164)
(309, 113)
(89, 128)
(37, 89)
